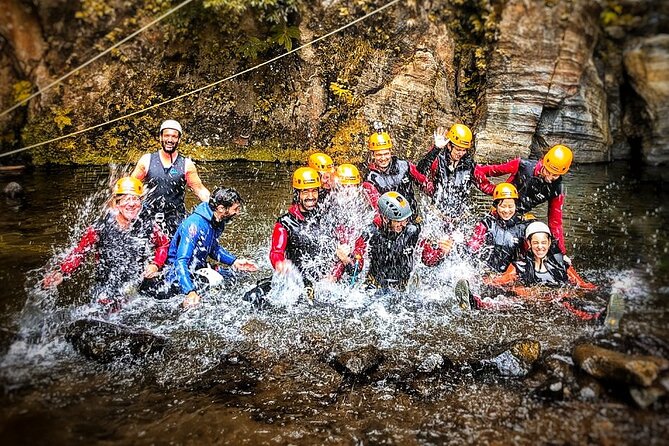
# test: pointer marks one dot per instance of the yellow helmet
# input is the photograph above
(380, 141)
(306, 178)
(321, 162)
(460, 135)
(504, 190)
(348, 174)
(558, 159)
(129, 186)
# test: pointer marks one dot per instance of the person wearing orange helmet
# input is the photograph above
(498, 238)
(119, 242)
(295, 238)
(450, 166)
(390, 173)
(537, 182)
(166, 174)
(324, 165)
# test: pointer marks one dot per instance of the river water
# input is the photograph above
(236, 375)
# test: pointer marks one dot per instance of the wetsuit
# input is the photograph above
(532, 190)
(121, 254)
(498, 242)
(391, 255)
(196, 239)
(399, 177)
(451, 182)
(166, 191)
(297, 237)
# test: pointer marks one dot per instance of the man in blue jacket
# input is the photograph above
(196, 239)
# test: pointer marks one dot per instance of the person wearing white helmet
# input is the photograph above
(544, 265)
(166, 174)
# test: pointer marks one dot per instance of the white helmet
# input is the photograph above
(536, 227)
(171, 124)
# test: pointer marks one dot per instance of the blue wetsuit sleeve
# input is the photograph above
(221, 254)
(185, 252)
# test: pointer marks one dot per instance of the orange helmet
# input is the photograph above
(306, 178)
(460, 135)
(348, 174)
(321, 162)
(558, 159)
(504, 190)
(380, 141)
(129, 186)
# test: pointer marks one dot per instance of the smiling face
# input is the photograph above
(128, 207)
(506, 208)
(382, 158)
(456, 153)
(539, 244)
(169, 140)
(308, 199)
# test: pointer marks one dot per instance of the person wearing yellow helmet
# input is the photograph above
(537, 181)
(166, 174)
(390, 173)
(450, 166)
(296, 233)
(324, 165)
(119, 242)
(498, 238)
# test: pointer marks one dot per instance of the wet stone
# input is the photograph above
(515, 359)
(619, 367)
(644, 397)
(359, 362)
(103, 341)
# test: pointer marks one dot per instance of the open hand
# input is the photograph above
(53, 279)
(245, 265)
(440, 138)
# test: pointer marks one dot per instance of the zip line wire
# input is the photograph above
(206, 87)
(62, 78)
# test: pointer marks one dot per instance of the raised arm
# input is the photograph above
(482, 172)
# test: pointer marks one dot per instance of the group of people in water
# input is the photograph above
(341, 227)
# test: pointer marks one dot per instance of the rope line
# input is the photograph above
(62, 78)
(206, 87)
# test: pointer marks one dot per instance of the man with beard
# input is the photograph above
(127, 249)
(196, 239)
(166, 174)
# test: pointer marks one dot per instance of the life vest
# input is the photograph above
(503, 241)
(451, 193)
(533, 190)
(122, 254)
(555, 274)
(305, 244)
(167, 189)
(391, 255)
(398, 179)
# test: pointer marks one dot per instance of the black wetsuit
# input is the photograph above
(391, 255)
(167, 190)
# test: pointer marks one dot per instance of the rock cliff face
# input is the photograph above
(523, 74)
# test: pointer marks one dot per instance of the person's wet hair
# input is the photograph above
(224, 196)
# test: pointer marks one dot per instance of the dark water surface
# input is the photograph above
(237, 376)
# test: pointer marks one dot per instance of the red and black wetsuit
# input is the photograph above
(400, 177)
(555, 274)
(451, 183)
(121, 255)
(532, 190)
(166, 191)
(498, 242)
(297, 237)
